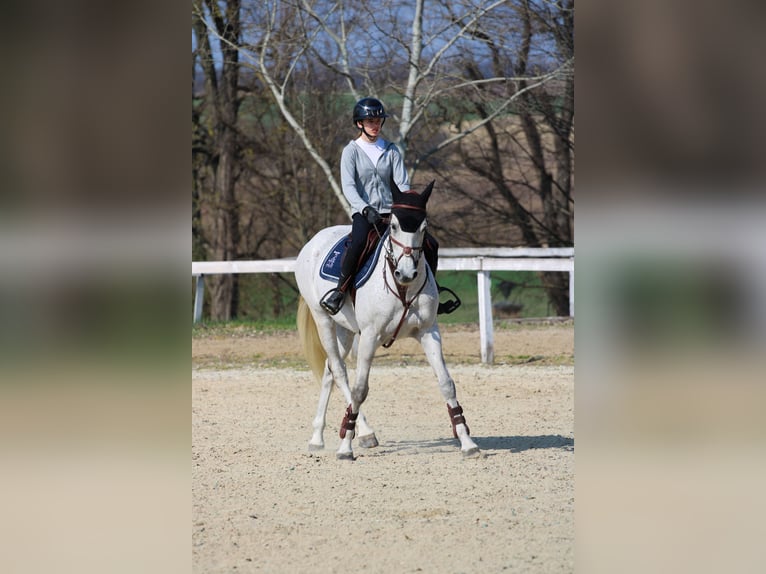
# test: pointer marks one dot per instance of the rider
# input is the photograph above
(367, 165)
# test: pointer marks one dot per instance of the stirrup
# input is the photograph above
(333, 300)
(448, 306)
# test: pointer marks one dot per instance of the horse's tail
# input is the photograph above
(312, 345)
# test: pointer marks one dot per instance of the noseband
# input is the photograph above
(406, 250)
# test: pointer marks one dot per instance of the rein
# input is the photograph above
(401, 293)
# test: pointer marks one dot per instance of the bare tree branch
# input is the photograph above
(278, 92)
(541, 80)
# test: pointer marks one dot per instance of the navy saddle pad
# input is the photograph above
(330, 268)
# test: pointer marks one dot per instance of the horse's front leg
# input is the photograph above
(432, 345)
(353, 416)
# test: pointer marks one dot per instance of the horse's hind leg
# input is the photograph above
(367, 438)
(317, 438)
(431, 342)
(344, 341)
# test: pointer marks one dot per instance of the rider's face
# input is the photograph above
(372, 125)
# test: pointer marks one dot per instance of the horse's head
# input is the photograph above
(408, 228)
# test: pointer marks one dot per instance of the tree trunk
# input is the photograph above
(225, 241)
(222, 213)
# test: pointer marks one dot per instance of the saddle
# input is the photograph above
(330, 268)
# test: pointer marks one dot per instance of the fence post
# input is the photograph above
(485, 318)
(199, 298)
(571, 293)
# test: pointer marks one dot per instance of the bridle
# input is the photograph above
(400, 291)
(407, 251)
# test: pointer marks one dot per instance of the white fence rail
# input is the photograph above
(481, 260)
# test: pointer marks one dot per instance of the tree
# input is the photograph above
(480, 93)
(216, 161)
(527, 157)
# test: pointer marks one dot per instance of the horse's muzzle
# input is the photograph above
(405, 278)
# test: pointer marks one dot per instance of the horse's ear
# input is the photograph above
(395, 191)
(427, 191)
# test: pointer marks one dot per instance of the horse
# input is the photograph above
(399, 299)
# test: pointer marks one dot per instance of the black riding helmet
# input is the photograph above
(368, 108)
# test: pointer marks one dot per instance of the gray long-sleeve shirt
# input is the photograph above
(366, 184)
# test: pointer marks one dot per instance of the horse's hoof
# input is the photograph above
(368, 441)
(345, 455)
(315, 447)
(472, 452)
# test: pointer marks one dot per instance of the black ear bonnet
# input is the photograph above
(410, 207)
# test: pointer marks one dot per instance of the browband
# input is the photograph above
(405, 206)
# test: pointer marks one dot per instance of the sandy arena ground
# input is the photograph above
(262, 503)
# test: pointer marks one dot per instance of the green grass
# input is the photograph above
(528, 292)
(267, 304)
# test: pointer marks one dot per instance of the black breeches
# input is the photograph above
(431, 252)
(360, 228)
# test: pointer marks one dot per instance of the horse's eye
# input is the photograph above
(394, 227)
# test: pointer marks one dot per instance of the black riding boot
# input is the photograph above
(333, 300)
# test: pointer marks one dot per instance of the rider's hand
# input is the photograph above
(373, 217)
